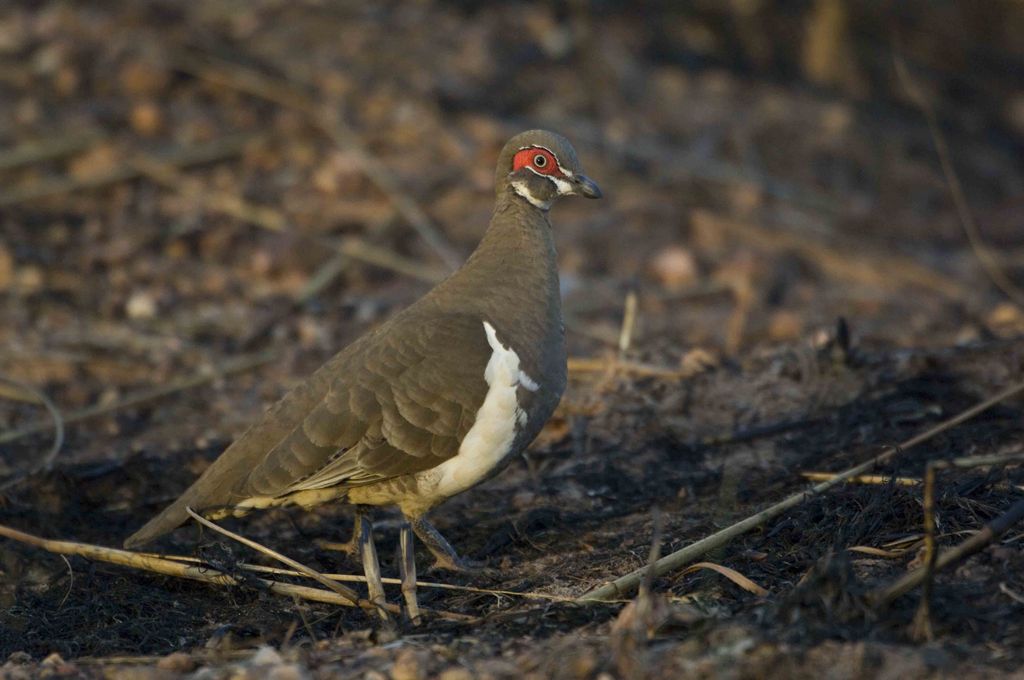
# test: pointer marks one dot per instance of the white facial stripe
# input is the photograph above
(519, 186)
(564, 188)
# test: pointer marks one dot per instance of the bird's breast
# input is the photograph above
(498, 420)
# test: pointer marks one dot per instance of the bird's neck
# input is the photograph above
(519, 237)
(512, 276)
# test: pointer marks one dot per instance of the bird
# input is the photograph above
(431, 402)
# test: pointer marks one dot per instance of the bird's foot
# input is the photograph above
(461, 565)
(349, 547)
(445, 557)
(352, 547)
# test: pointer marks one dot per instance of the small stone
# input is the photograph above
(54, 666)
(6, 268)
(408, 666)
(11, 671)
(19, 658)
(100, 159)
(142, 78)
(261, 263)
(287, 671)
(455, 673)
(146, 118)
(27, 111)
(1004, 314)
(524, 498)
(140, 305)
(785, 325)
(53, 659)
(66, 80)
(837, 119)
(312, 333)
(266, 656)
(675, 268)
(29, 279)
(179, 662)
(697, 360)
(581, 664)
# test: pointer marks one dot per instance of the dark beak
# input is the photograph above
(586, 187)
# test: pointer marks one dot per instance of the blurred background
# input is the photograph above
(174, 175)
(201, 202)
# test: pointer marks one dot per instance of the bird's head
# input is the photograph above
(539, 166)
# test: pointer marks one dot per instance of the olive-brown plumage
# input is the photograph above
(415, 410)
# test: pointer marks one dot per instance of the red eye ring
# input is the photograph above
(538, 159)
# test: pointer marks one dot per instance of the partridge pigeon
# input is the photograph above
(433, 401)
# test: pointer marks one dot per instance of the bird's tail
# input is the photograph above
(177, 513)
(168, 520)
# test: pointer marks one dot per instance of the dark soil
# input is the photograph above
(773, 198)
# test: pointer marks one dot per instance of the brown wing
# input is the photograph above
(397, 401)
(406, 407)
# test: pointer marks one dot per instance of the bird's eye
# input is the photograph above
(540, 160)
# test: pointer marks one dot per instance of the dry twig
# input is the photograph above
(219, 200)
(731, 574)
(988, 261)
(272, 219)
(48, 149)
(327, 121)
(684, 556)
(922, 620)
(862, 479)
(358, 249)
(359, 578)
(636, 368)
(675, 164)
(196, 570)
(236, 365)
(878, 270)
(168, 567)
(877, 552)
(46, 462)
(326, 274)
(628, 323)
(353, 598)
(219, 149)
(989, 533)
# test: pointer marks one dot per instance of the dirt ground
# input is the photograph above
(202, 202)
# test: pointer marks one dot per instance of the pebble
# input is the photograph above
(266, 656)
(675, 268)
(140, 305)
(179, 662)
(455, 673)
(408, 666)
(6, 268)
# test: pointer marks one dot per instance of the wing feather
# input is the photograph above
(415, 396)
(397, 401)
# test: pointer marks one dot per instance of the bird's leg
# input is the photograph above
(407, 566)
(349, 547)
(371, 567)
(444, 554)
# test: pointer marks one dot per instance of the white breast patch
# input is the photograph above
(494, 430)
